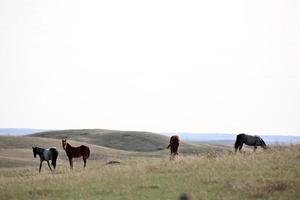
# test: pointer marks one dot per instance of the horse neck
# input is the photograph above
(263, 144)
(68, 146)
(40, 151)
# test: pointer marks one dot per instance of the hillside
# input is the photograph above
(270, 174)
(126, 140)
(104, 144)
(17, 150)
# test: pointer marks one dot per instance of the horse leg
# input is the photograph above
(71, 163)
(175, 152)
(49, 165)
(255, 147)
(171, 154)
(236, 148)
(41, 162)
(240, 147)
(54, 165)
(84, 161)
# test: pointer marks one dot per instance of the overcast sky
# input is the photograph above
(188, 66)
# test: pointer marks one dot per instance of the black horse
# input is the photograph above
(248, 140)
(46, 154)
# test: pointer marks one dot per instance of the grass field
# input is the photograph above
(202, 171)
(271, 174)
(17, 151)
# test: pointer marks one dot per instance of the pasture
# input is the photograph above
(270, 174)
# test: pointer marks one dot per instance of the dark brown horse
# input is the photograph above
(76, 152)
(173, 145)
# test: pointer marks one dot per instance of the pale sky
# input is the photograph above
(163, 66)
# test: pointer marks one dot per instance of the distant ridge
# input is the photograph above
(20, 131)
(137, 141)
(209, 138)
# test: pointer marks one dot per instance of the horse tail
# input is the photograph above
(238, 141)
(55, 155)
(236, 145)
(88, 153)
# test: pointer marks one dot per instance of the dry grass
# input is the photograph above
(16, 151)
(271, 174)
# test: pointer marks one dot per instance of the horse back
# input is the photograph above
(251, 140)
(75, 152)
(241, 136)
(53, 150)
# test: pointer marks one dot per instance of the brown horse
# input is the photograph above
(76, 152)
(174, 144)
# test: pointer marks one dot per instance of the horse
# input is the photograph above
(76, 152)
(46, 154)
(173, 145)
(248, 140)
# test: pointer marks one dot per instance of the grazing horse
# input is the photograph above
(173, 145)
(76, 152)
(248, 140)
(46, 154)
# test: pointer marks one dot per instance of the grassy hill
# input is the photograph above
(126, 140)
(104, 144)
(17, 150)
(270, 174)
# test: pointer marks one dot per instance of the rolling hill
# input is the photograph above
(126, 140)
(17, 150)
(104, 144)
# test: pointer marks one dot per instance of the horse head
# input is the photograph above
(64, 143)
(263, 144)
(34, 151)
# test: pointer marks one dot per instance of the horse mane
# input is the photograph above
(260, 139)
(38, 149)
